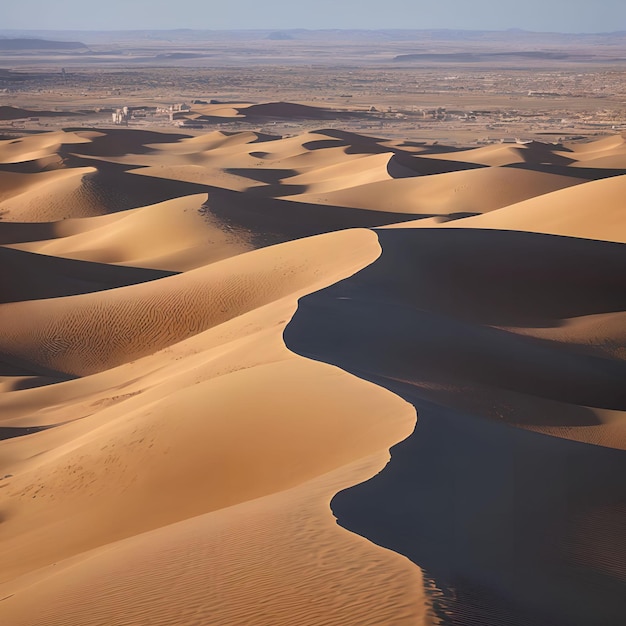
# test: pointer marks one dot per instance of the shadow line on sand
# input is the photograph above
(514, 527)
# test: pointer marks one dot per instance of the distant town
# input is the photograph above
(461, 90)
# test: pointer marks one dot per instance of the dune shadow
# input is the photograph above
(21, 232)
(15, 367)
(291, 111)
(268, 220)
(10, 432)
(402, 165)
(34, 382)
(324, 144)
(585, 173)
(505, 278)
(428, 148)
(112, 142)
(116, 187)
(120, 191)
(269, 176)
(355, 143)
(514, 527)
(278, 190)
(451, 217)
(42, 276)
(490, 512)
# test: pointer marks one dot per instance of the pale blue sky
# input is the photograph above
(540, 15)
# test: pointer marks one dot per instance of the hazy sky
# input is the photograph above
(540, 15)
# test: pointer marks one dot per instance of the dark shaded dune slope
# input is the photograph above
(28, 276)
(497, 277)
(119, 141)
(20, 232)
(269, 220)
(515, 527)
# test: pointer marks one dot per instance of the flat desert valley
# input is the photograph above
(312, 328)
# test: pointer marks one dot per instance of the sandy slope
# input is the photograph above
(147, 437)
(292, 564)
(165, 457)
(450, 193)
(176, 235)
(593, 211)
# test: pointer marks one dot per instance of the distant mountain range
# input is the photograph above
(331, 35)
(462, 57)
(23, 43)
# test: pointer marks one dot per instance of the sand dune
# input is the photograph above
(593, 211)
(471, 313)
(175, 237)
(36, 146)
(301, 584)
(268, 110)
(151, 316)
(87, 192)
(443, 194)
(175, 429)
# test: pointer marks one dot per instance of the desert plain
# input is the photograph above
(313, 329)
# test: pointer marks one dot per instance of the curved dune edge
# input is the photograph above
(495, 356)
(88, 333)
(165, 463)
(174, 236)
(280, 559)
(535, 341)
(594, 210)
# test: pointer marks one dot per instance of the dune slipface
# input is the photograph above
(494, 513)
(207, 343)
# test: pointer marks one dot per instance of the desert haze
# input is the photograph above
(308, 377)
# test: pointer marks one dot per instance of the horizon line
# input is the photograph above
(312, 30)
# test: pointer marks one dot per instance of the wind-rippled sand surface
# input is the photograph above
(167, 459)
